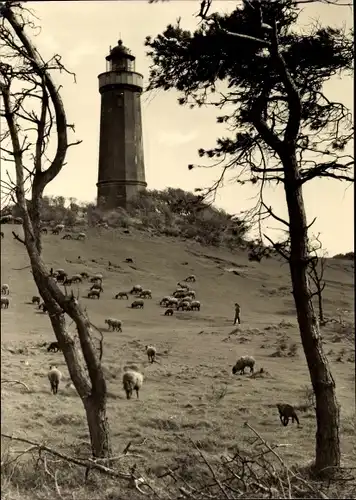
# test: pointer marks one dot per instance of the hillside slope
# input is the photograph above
(191, 391)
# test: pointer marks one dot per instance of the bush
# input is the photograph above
(172, 212)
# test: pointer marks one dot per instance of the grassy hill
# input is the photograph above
(190, 392)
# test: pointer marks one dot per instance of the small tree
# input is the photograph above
(316, 274)
(32, 103)
(270, 78)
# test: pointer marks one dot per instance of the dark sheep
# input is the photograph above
(53, 347)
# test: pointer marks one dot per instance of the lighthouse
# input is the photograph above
(121, 161)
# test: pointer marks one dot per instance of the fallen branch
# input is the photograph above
(17, 237)
(5, 381)
(86, 463)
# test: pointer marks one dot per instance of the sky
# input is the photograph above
(82, 32)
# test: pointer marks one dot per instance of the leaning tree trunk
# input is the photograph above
(327, 408)
(93, 392)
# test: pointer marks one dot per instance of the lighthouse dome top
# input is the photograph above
(120, 52)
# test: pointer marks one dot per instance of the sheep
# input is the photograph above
(164, 301)
(129, 260)
(67, 281)
(18, 220)
(59, 228)
(195, 305)
(76, 278)
(136, 289)
(242, 363)
(81, 236)
(53, 347)
(168, 312)
(95, 279)
(67, 236)
(94, 294)
(183, 305)
(132, 380)
(183, 286)
(172, 302)
(122, 295)
(5, 289)
(6, 219)
(55, 231)
(84, 275)
(96, 286)
(137, 304)
(115, 324)
(286, 412)
(191, 277)
(151, 353)
(191, 293)
(54, 377)
(179, 294)
(98, 276)
(2, 234)
(5, 302)
(44, 230)
(187, 299)
(146, 294)
(36, 300)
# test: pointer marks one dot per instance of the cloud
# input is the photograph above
(175, 138)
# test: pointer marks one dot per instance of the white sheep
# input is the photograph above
(172, 302)
(81, 236)
(59, 227)
(195, 305)
(5, 289)
(54, 377)
(242, 363)
(184, 305)
(151, 353)
(146, 293)
(165, 299)
(191, 294)
(115, 324)
(132, 381)
(191, 277)
(136, 289)
(5, 302)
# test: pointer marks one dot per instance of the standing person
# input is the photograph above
(237, 313)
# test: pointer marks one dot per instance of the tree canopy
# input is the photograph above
(227, 61)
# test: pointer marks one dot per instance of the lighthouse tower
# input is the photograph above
(121, 161)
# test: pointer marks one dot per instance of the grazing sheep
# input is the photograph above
(94, 294)
(67, 236)
(60, 275)
(183, 286)
(44, 230)
(168, 312)
(6, 219)
(146, 294)
(2, 234)
(286, 412)
(98, 276)
(191, 277)
(195, 305)
(96, 286)
(36, 300)
(136, 289)
(179, 294)
(18, 220)
(183, 305)
(132, 381)
(164, 301)
(81, 236)
(53, 347)
(242, 363)
(191, 293)
(151, 353)
(76, 278)
(129, 260)
(5, 289)
(122, 295)
(84, 275)
(138, 304)
(54, 377)
(4, 302)
(67, 281)
(172, 302)
(115, 324)
(55, 231)
(59, 227)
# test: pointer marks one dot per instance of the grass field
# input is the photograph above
(190, 392)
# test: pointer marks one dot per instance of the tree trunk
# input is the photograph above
(327, 408)
(95, 407)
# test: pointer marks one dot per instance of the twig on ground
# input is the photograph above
(6, 381)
